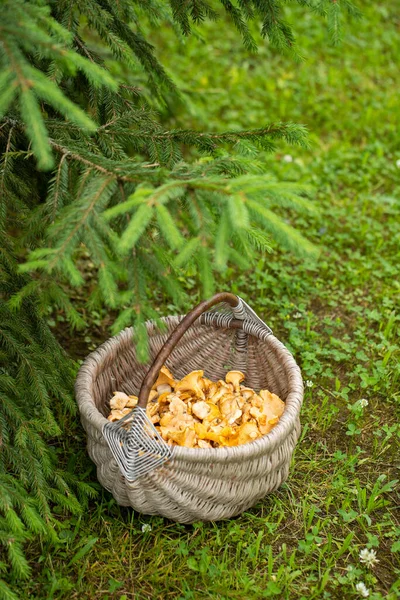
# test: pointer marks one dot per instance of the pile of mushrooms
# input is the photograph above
(199, 413)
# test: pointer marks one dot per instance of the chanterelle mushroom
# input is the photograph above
(222, 389)
(214, 413)
(178, 422)
(228, 405)
(235, 378)
(247, 433)
(191, 383)
(187, 437)
(273, 405)
(266, 408)
(152, 409)
(133, 400)
(234, 417)
(200, 409)
(219, 434)
(165, 398)
(246, 392)
(165, 376)
(164, 388)
(116, 415)
(203, 444)
(212, 389)
(119, 400)
(177, 406)
(205, 384)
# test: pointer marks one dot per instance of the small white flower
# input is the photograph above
(146, 528)
(363, 402)
(362, 589)
(368, 557)
(398, 163)
(309, 383)
(288, 158)
(297, 315)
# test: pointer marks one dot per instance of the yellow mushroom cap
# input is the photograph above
(165, 398)
(212, 389)
(214, 412)
(177, 406)
(246, 392)
(133, 400)
(203, 444)
(186, 438)
(191, 383)
(221, 390)
(201, 409)
(165, 376)
(152, 409)
(248, 432)
(236, 378)
(117, 414)
(205, 384)
(119, 401)
(201, 430)
(273, 405)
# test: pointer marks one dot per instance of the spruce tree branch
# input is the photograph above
(202, 233)
(20, 353)
(23, 81)
(2, 190)
(48, 44)
(70, 15)
(115, 120)
(84, 49)
(64, 151)
(121, 191)
(57, 187)
(136, 305)
(74, 156)
(207, 186)
(80, 223)
(82, 183)
(268, 130)
(131, 88)
(294, 134)
(179, 134)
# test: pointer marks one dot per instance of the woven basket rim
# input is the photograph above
(267, 443)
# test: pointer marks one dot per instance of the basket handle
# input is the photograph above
(191, 317)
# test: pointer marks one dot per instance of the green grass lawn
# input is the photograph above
(339, 316)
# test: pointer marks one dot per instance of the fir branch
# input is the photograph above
(94, 160)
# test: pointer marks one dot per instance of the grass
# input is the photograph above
(339, 316)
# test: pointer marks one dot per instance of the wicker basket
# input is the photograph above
(196, 484)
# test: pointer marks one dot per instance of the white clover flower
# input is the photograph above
(362, 589)
(368, 557)
(363, 402)
(146, 528)
(297, 315)
(288, 158)
(398, 163)
(309, 383)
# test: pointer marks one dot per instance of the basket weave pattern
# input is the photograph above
(197, 484)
